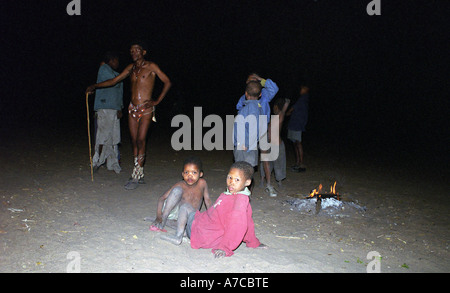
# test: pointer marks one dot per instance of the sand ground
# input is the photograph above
(50, 211)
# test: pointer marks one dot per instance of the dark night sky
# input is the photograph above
(376, 79)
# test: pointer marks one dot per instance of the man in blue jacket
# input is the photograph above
(246, 126)
(269, 90)
(108, 106)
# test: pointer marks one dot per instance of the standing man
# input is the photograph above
(297, 125)
(269, 90)
(142, 75)
(108, 105)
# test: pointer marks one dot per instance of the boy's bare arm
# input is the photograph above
(289, 112)
(282, 113)
(206, 197)
(286, 105)
(111, 82)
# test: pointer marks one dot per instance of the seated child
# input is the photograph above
(225, 225)
(192, 190)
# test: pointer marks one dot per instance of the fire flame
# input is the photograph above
(318, 192)
(315, 191)
(333, 188)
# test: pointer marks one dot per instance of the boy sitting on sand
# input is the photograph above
(227, 223)
(192, 190)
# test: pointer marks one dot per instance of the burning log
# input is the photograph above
(318, 195)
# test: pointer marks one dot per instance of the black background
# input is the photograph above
(379, 84)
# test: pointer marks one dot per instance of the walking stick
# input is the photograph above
(89, 136)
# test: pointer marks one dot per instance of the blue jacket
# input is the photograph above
(251, 128)
(267, 93)
(110, 97)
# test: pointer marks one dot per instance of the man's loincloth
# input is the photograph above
(137, 111)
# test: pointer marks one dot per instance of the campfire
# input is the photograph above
(318, 194)
(329, 202)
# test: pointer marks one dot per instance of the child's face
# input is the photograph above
(191, 174)
(236, 181)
